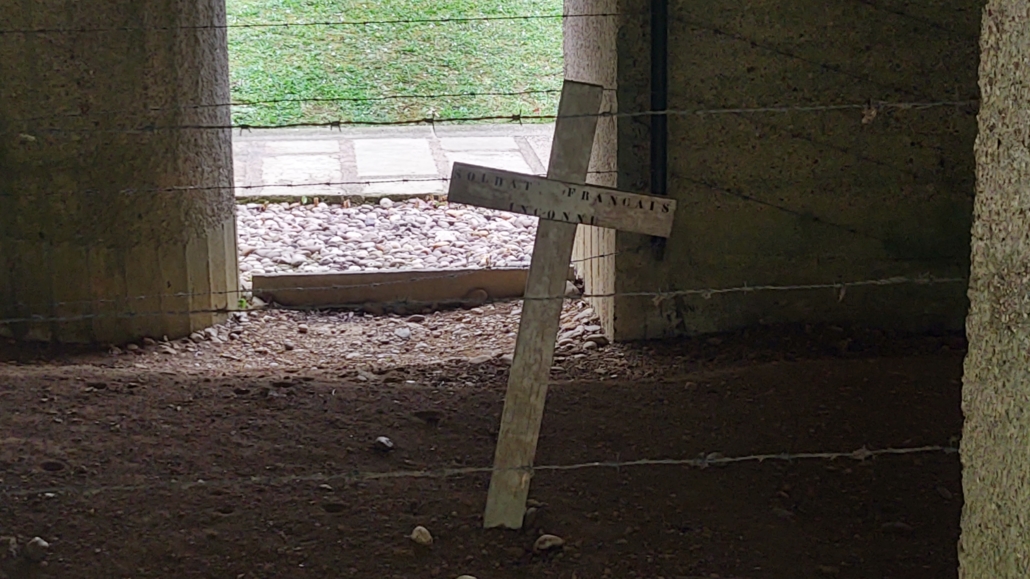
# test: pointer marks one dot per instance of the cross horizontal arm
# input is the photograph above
(559, 201)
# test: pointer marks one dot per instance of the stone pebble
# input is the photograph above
(414, 235)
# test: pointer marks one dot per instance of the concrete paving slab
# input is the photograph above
(266, 160)
(478, 144)
(294, 169)
(494, 130)
(394, 157)
(542, 147)
(305, 147)
(504, 160)
(239, 171)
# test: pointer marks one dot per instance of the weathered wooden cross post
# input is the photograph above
(562, 201)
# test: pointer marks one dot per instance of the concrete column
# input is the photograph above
(995, 540)
(94, 117)
(591, 55)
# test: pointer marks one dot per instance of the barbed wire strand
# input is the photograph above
(324, 23)
(779, 109)
(330, 196)
(431, 276)
(520, 118)
(297, 100)
(357, 197)
(704, 461)
(657, 297)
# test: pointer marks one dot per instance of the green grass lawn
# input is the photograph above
(376, 60)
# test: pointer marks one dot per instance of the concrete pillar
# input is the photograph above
(995, 540)
(93, 117)
(591, 55)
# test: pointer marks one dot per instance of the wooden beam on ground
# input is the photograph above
(393, 291)
(541, 313)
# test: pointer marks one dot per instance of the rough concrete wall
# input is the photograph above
(591, 56)
(81, 236)
(996, 440)
(805, 197)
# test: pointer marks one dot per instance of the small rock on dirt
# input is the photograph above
(402, 333)
(417, 319)
(384, 444)
(546, 543)
(600, 339)
(303, 329)
(422, 536)
(36, 549)
(530, 518)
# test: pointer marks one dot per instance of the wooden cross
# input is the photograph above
(562, 201)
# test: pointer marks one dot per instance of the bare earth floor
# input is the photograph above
(102, 454)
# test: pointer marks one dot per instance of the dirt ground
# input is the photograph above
(247, 457)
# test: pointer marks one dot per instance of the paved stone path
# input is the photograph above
(286, 236)
(268, 161)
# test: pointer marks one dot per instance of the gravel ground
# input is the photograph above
(415, 234)
(301, 340)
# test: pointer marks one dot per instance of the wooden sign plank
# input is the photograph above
(541, 315)
(561, 201)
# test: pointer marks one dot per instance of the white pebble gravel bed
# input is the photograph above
(414, 234)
